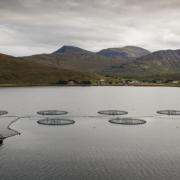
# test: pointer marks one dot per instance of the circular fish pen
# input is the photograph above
(52, 112)
(127, 121)
(55, 121)
(3, 112)
(169, 112)
(112, 112)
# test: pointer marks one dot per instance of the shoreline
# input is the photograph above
(80, 85)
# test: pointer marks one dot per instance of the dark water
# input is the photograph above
(92, 148)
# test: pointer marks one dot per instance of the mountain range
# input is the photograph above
(70, 62)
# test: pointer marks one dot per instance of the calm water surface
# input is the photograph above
(92, 148)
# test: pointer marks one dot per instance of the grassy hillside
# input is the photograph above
(18, 71)
(84, 62)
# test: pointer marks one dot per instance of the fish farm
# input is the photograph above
(127, 121)
(169, 112)
(51, 112)
(3, 112)
(113, 112)
(55, 121)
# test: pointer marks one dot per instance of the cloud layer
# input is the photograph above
(41, 26)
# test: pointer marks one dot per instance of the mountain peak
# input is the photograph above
(126, 51)
(69, 49)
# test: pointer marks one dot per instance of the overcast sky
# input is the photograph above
(42, 26)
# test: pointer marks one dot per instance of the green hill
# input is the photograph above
(15, 71)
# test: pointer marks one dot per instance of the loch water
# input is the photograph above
(92, 148)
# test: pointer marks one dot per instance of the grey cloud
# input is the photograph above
(40, 26)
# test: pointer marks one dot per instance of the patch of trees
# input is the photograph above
(62, 82)
(75, 82)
